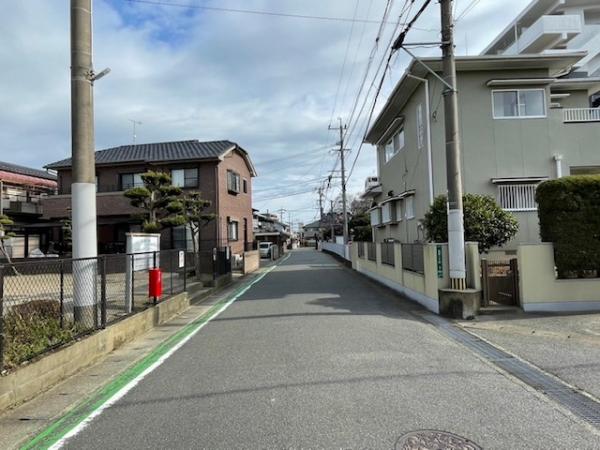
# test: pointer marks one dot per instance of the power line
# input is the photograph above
(397, 44)
(260, 13)
(337, 91)
(467, 10)
(283, 196)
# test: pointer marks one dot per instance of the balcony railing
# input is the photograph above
(573, 115)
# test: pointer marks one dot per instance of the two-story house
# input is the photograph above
(21, 191)
(221, 170)
(523, 120)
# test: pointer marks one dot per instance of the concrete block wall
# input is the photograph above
(540, 290)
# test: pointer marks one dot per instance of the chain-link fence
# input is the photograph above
(47, 303)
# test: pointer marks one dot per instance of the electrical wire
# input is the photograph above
(337, 91)
(257, 12)
(467, 10)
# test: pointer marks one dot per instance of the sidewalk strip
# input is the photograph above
(76, 420)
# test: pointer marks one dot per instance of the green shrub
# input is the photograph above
(485, 221)
(32, 328)
(569, 214)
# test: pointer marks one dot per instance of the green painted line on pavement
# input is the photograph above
(62, 426)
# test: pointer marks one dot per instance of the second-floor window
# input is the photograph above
(233, 181)
(185, 178)
(393, 147)
(519, 103)
(245, 186)
(131, 180)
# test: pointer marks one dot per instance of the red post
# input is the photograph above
(155, 283)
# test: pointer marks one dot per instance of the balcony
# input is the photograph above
(581, 115)
(21, 204)
(546, 33)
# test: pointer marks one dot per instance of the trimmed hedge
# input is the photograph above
(569, 213)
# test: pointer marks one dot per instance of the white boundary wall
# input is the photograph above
(339, 249)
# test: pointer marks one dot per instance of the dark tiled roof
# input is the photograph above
(157, 152)
(22, 170)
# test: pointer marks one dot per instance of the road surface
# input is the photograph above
(315, 356)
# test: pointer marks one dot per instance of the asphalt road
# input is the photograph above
(315, 356)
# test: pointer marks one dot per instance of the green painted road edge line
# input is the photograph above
(57, 430)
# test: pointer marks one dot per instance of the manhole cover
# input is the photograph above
(434, 440)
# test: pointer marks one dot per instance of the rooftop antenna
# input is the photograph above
(135, 123)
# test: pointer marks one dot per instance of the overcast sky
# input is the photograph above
(271, 84)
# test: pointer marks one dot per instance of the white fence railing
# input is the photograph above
(581, 115)
(339, 249)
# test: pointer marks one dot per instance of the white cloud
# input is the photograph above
(267, 83)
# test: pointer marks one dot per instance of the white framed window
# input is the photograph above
(376, 217)
(388, 212)
(519, 103)
(232, 230)
(517, 197)
(393, 147)
(409, 208)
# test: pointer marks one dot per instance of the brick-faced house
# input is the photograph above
(221, 170)
(21, 192)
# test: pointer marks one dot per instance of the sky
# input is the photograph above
(272, 84)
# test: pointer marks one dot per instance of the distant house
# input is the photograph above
(268, 228)
(221, 170)
(524, 119)
(21, 191)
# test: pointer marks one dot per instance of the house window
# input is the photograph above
(131, 180)
(376, 217)
(585, 170)
(519, 103)
(409, 208)
(233, 182)
(232, 230)
(388, 212)
(394, 146)
(245, 186)
(185, 178)
(517, 197)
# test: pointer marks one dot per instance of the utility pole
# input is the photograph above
(456, 233)
(321, 202)
(342, 150)
(332, 223)
(83, 187)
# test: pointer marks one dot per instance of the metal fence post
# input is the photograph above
(184, 271)
(132, 281)
(103, 292)
(154, 260)
(62, 294)
(171, 268)
(2, 318)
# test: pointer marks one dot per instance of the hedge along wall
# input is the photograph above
(569, 213)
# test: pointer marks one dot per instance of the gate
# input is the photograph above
(500, 280)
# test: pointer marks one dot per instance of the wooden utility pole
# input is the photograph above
(456, 234)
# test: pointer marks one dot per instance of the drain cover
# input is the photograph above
(434, 440)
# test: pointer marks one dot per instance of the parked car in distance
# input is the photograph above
(264, 249)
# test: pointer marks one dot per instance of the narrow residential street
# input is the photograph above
(315, 356)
